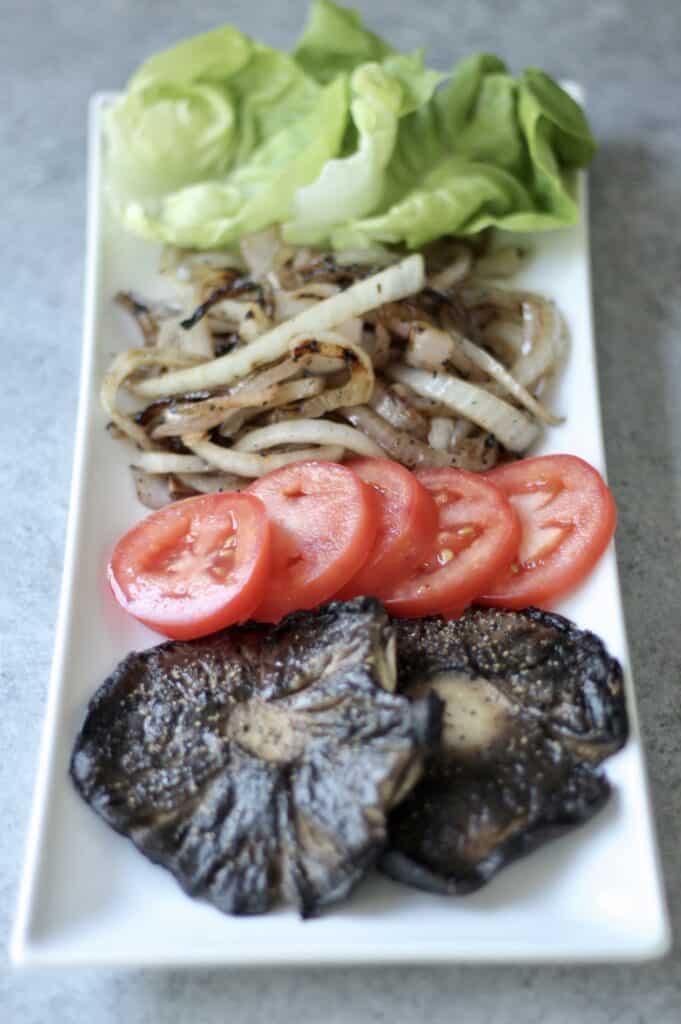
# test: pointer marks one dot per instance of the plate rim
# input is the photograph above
(27, 953)
(19, 946)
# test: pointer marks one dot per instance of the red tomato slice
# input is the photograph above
(407, 523)
(323, 522)
(195, 566)
(568, 517)
(478, 533)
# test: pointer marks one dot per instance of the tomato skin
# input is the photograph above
(478, 533)
(195, 566)
(563, 537)
(407, 522)
(323, 521)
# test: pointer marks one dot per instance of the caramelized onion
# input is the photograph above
(511, 426)
(402, 279)
(326, 345)
(321, 432)
(393, 407)
(246, 463)
(398, 444)
(461, 362)
(198, 417)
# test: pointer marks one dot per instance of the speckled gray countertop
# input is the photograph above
(626, 52)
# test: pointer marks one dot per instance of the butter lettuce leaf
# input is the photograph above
(487, 150)
(350, 187)
(458, 196)
(210, 57)
(335, 41)
(271, 92)
(345, 142)
(163, 136)
(192, 112)
(257, 193)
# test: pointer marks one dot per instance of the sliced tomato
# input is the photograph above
(478, 534)
(407, 523)
(195, 566)
(323, 522)
(568, 516)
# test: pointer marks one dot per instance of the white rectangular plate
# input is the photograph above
(89, 897)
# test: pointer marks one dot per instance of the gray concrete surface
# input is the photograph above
(52, 56)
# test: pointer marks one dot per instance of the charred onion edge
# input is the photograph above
(251, 464)
(402, 279)
(511, 426)
(321, 432)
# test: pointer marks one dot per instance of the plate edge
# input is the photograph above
(652, 949)
(65, 606)
(22, 952)
(665, 930)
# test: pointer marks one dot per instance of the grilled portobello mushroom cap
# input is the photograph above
(259, 764)
(532, 705)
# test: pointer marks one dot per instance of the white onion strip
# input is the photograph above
(241, 463)
(429, 348)
(544, 336)
(322, 432)
(259, 251)
(441, 433)
(286, 370)
(503, 262)
(396, 282)
(251, 320)
(511, 426)
(291, 303)
(169, 462)
(355, 391)
(198, 340)
(398, 444)
(454, 272)
(212, 482)
(197, 417)
(394, 408)
(493, 368)
(125, 364)
(153, 490)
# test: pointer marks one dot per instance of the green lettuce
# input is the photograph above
(195, 111)
(487, 150)
(335, 42)
(344, 142)
(349, 187)
(258, 192)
